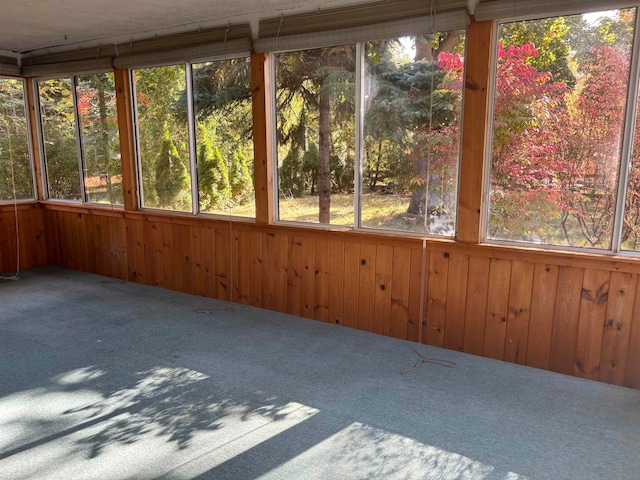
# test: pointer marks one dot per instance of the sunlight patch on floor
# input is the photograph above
(361, 451)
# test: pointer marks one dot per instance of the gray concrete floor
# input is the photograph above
(112, 380)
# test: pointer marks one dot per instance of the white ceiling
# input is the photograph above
(42, 26)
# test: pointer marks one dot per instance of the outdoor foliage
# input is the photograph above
(15, 165)
(60, 138)
(410, 130)
(557, 130)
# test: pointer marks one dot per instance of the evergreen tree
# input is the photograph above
(290, 174)
(239, 178)
(171, 174)
(213, 176)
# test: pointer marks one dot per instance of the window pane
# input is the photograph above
(224, 142)
(163, 137)
(412, 104)
(557, 128)
(59, 138)
(96, 97)
(316, 132)
(15, 164)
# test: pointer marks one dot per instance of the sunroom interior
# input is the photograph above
(197, 197)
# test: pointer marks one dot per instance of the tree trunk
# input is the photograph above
(324, 134)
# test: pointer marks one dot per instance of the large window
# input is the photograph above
(395, 167)
(195, 137)
(16, 179)
(559, 131)
(411, 137)
(80, 138)
(163, 140)
(315, 103)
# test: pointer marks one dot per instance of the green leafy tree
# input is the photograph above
(170, 173)
(15, 165)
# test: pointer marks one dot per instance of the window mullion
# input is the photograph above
(359, 126)
(195, 202)
(81, 164)
(274, 135)
(627, 140)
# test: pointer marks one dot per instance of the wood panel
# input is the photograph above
(24, 232)
(543, 300)
(565, 320)
(497, 308)
(476, 305)
(437, 298)
(456, 301)
(580, 321)
(617, 327)
(383, 290)
(519, 311)
(593, 307)
(400, 291)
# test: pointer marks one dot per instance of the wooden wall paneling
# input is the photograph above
(519, 312)
(497, 308)
(366, 287)
(632, 365)
(234, 264)
(336, 282)
(281, 273)
(456, 301)
(222, 247)
(436, 296)
(243, 258)
(565, 320)
(593, 308)
(158, 254)
(206, 257)
(26, 236)
(617, 327)
(294, 275)
(150, 230)
(120, 225)
(474, 130)
(307, 277)
(476, 306)
(168, 259)
(34, 243)
(255, 272)
(102, 236)
(8, 250)
(383, 290)
(86, 244)
(543, 301)
(268, 270)
(136, 251)
(351, 305)
(400, 286)
(321, 281)
(52, 229)
(183, 271)
(419, 267)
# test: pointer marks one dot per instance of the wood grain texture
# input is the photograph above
(519, 312)
(556, 316)
(565, 320)
(543, 301)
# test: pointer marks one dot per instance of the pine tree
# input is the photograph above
(213, 176)
(171, 173)
(240, 179)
